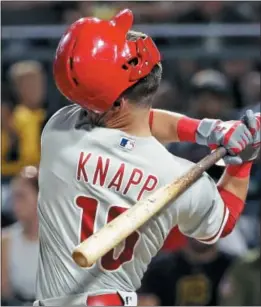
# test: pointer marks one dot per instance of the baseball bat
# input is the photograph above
(108, 237)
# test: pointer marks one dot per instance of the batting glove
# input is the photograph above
(233, 135)
(253, 122)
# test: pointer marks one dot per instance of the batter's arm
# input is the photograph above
(168, 127)
(233, 185)
(233, 188)
(215, 209)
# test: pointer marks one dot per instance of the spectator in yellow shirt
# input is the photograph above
(10, 146)
(29, 84)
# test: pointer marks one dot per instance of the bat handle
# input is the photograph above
(213, 158)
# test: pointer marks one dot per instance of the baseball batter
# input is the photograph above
(102, 154)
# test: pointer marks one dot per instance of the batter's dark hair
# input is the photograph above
(142, 92)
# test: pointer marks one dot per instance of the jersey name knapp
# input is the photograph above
(89, 177)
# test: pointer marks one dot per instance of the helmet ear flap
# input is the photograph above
(124, 20)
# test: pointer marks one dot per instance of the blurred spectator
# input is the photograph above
(215, 11)
(235, 71)
(186, 69)
(209, 97)
(236, 68)
(10, 150)
(241, 284)
(28, 81)
(250, 85)
(188, 277)
(79, 9)
(148, 300)
(71, 15)
(156, 11)
(236, 243)
(210, 12)
(11, 162)
(20, 241)
(104, 10)
(27, 12)
(167, 97)
(145, 11)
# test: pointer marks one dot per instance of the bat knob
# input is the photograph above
(79, 258)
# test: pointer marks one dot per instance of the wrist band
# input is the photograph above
(240, 171)
(187, 128)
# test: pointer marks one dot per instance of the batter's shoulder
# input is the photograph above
(64, 113)
(61, 118)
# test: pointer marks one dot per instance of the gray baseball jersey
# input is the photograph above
(87, 178)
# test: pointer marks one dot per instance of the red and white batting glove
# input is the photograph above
(253, 122)
(235, 136)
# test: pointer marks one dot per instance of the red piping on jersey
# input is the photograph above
(235, 206)
(187, 128)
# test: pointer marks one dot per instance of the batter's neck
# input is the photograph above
(134, 122)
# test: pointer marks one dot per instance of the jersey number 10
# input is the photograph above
(89, 206)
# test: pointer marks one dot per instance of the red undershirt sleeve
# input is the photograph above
(235, 207)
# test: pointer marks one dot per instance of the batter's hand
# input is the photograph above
(233, 135)
(253, 122)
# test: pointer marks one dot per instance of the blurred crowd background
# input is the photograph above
(211, 62)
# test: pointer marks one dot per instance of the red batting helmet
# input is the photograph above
(92, 63)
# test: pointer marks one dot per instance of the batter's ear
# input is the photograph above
(119, 104)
